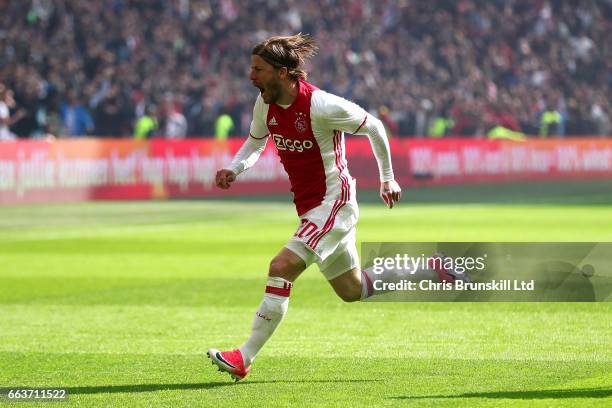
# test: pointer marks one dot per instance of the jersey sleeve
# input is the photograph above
(337, 113)
(375, 130)
(255, 144)
(259, 129)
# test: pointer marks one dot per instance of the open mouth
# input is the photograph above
(261, 89)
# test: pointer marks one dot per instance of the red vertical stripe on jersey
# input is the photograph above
(314, 240)
(341, 165)
(344, 196)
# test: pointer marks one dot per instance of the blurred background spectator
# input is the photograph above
(430, 68)
(7, 102)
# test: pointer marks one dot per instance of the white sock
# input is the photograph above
(271, 311)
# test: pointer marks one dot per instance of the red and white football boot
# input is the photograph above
(229, 361)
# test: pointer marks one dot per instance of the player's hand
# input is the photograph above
(225, 178)
(390, 192)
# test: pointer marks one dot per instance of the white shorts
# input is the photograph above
(326, 235)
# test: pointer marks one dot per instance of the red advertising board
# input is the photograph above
(72, 170)
(465, 160)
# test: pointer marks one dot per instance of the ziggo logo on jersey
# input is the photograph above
(290, 144)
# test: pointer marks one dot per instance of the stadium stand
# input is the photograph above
(428, 68)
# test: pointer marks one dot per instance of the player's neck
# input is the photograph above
(290, 92)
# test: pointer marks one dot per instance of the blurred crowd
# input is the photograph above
(179, 68)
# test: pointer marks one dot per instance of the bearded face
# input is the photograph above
(266, 78)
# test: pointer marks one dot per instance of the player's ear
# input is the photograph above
(283, 72)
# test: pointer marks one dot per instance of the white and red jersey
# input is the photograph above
(309, 137)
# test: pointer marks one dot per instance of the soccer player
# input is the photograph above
(307, 126)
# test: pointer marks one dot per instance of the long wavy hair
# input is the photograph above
(288, 51)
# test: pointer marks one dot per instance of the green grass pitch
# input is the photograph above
(118, 302)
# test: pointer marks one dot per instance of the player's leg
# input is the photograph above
(339, 260)
(342, 271)
(352, 283)
(348, 286)
(283, 271)
(356, 284)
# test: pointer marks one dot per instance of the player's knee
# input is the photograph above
(280, 267)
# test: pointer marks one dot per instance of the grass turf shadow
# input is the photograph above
(602, 392)
(137, 388)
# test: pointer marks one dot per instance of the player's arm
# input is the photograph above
(349, 117)
(245, 158)
(250, 151)
(390, 191)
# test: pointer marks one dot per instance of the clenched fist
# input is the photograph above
(225, 178)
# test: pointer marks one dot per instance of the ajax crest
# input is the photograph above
(300, 123)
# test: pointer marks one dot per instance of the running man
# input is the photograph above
(307, 126)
